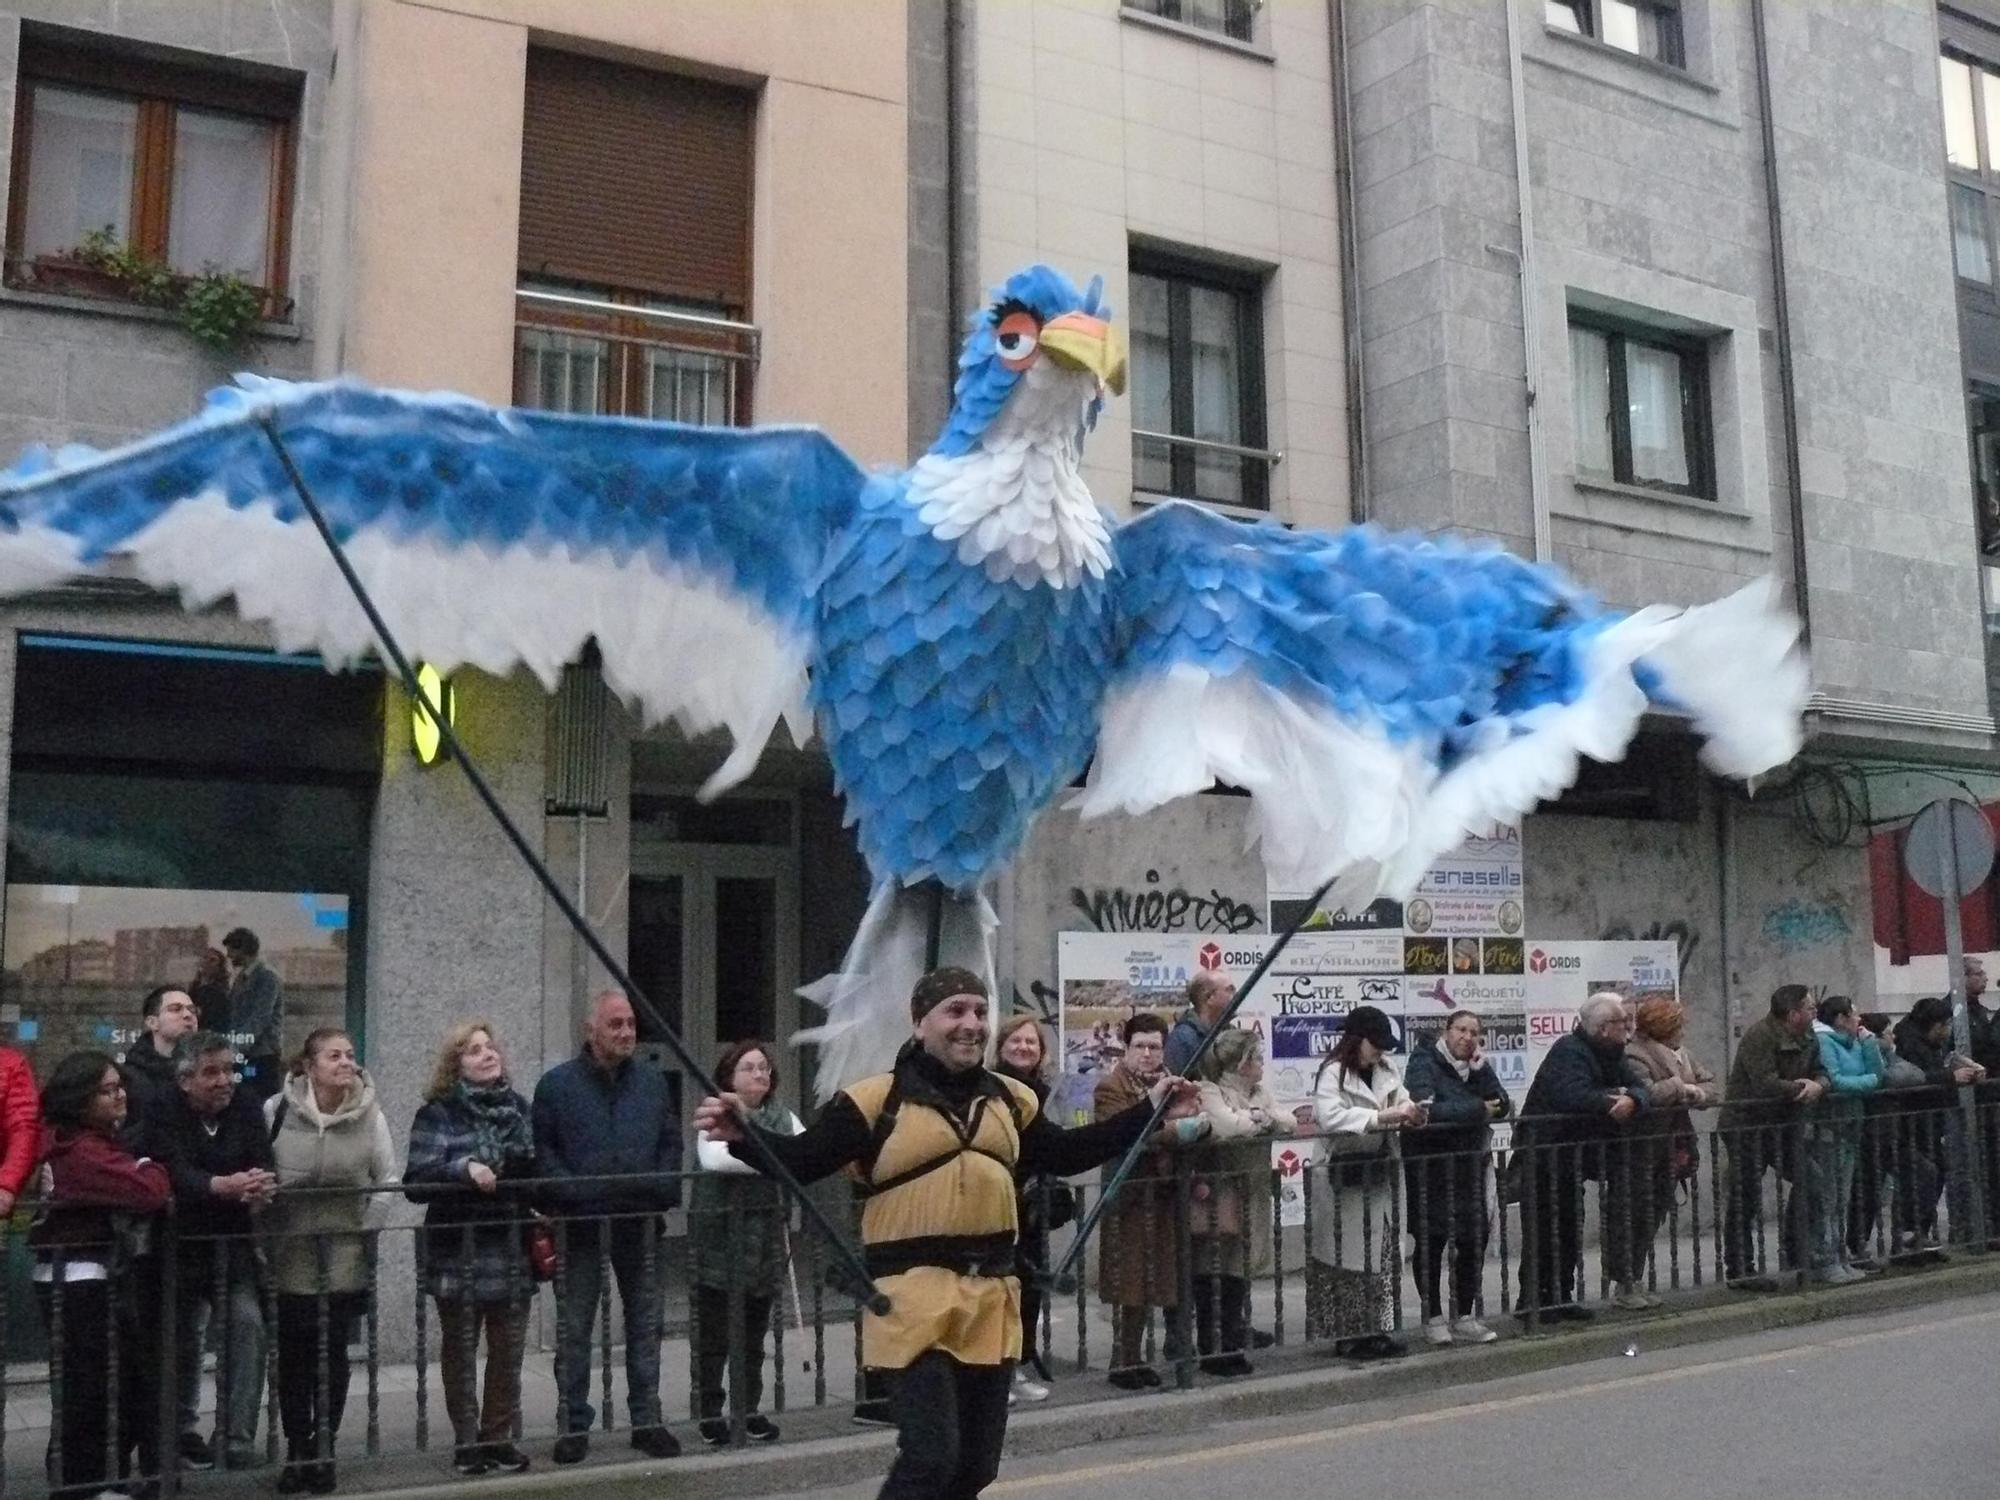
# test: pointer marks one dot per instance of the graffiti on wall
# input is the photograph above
(1677, 932)
(1158, 908)
(1795, 925)
(1041, 1001)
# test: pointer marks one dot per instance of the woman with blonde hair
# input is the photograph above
(327, 1133)
(1648, 1165)
(470, 1147)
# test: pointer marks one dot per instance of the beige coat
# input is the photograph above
(1354, 1209)
(349, 1147)
(1232, 1208)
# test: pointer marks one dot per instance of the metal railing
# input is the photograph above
(581, 354)
(1211, 1259)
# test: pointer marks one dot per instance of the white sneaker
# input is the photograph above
(1028, 1389)
(1472, 1331)
(1839, 1275)
(1438, 1330)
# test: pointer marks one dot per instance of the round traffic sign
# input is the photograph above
(1949, 826)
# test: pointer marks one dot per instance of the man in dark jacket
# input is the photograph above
(603, 1115)
(166, 1015)
(1927, 1132)
(1579, 1102)
(257, 1011)
(1208, 996)
(218, 1153)
(1775, 1081)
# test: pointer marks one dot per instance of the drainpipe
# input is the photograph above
(1781, 311)
(955, 129)
(1524, 265)
(1350, 264)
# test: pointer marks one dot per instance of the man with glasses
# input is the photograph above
(165, 1016)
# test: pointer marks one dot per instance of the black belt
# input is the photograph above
(969, 1255)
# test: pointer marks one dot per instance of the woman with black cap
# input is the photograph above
(937, 1144)
(1360, 1102)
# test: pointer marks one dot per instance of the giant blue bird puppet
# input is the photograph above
(967, 635)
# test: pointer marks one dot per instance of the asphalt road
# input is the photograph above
(1856, 1409)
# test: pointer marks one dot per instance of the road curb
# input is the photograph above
(1312, 1385)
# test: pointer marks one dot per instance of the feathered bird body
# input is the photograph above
(954, 704)
(975, 628)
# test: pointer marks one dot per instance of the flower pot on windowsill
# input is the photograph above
(73, 278)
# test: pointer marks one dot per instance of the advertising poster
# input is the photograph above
(1561, 976)
(1298, 1009)
(78, 960)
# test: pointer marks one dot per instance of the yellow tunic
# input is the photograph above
(974, 1319)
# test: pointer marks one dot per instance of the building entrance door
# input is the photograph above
(715, 946)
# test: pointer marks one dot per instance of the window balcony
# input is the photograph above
(579, 353)
(1230, 477)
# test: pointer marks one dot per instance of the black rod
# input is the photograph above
(877, 1302)
(1138, 1147)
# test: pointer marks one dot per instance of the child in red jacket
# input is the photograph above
(94, 1195)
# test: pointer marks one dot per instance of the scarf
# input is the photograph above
(499, 1125)
(771, 1116)
(1462, 1069)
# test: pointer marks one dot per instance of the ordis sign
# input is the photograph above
(1210, 956)
(1541, 961)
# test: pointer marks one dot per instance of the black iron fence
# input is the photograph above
(362, 1346)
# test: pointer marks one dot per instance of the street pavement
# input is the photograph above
(1857, 1409)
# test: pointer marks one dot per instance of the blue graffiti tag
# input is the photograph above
(1794, 925)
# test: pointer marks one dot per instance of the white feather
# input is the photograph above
(1337, 800)
(675, 644)
(36, 557)
(867, 1002)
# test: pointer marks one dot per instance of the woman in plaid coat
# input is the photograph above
(470, 1145)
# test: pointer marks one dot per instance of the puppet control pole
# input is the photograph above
(877, 1302)
(1131, 1159)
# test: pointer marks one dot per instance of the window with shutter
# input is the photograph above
(635, 194)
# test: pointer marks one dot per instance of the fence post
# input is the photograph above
(1532, 1248)
(1798, 1207)
(1183, 1313)
(167, 1418)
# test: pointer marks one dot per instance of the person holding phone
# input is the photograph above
(1359, 1101)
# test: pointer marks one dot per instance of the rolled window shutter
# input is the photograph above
(635, 179)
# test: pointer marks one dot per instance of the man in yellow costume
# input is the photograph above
(936, 1145)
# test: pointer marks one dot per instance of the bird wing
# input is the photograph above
(488, 537)
(1382, 696)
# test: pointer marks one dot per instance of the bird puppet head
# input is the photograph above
(1041, 358)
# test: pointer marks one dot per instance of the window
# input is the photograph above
(186, 160)
(1231, 18)
(1982, 407)
(1198, 384)
(1972, 158)
(634, 242)
(1640, 402)
(1645, 28)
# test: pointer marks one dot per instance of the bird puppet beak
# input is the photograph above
(1085, 343)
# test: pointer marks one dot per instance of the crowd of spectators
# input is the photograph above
(277, 1197)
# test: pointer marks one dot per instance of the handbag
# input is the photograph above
(539, 1239)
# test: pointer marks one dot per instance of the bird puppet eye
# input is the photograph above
(1016, 338)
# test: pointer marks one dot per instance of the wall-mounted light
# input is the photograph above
(438, 697)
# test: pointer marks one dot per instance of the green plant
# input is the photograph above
(220, 308)
(216, 307)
